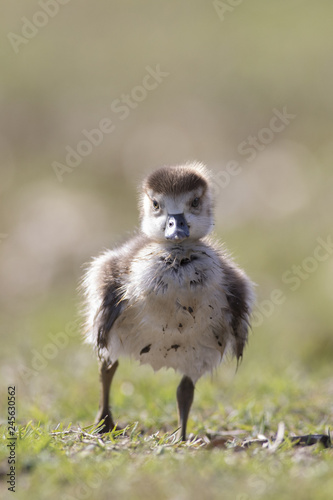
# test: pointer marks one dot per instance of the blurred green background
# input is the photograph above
(225, 72)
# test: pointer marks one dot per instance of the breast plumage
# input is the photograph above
(174, 315)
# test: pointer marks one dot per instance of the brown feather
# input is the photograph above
(175, 180)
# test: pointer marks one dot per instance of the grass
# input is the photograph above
(77, 463)
(60, 454)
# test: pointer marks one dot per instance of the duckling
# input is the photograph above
(170, 296)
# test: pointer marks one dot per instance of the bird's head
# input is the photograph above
(176, 203)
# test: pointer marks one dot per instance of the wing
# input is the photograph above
(110, 309)
(104, 286)
(240, 297)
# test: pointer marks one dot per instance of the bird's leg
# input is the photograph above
(185, 393)
(106, 373)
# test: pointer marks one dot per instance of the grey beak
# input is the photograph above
(176, 227)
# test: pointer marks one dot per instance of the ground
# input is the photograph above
(60, 455)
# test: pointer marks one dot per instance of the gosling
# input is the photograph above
(169, 296)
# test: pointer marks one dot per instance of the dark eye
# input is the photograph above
(195, 202)
(156, 205)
